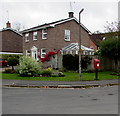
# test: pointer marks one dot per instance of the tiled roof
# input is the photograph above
(53, 24)
(96, 38)
(4, 29)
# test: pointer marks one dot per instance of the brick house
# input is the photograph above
(11, 41)
(39, 40)
(95, 39)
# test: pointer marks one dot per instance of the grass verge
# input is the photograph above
(69, 76)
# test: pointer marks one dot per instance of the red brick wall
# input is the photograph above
(93, 45)
(55, 37)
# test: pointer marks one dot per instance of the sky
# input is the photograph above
(30, 13)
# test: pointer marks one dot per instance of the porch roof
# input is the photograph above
(75, 46)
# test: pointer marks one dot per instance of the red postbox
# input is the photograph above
(96, 64)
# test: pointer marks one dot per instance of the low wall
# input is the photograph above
(105, 63)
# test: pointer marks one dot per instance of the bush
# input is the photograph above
(29, 67)
(13, 61)
(10, 71)
(47, 72)
(7, 56)
(57, 74)
(71, 62)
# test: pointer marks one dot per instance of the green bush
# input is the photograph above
(71, 62)
(29, 67)
(13, 61)
(57, 74)
(7, 56)
(47, 72)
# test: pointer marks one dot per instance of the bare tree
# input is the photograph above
(18, 26)
(112, 27)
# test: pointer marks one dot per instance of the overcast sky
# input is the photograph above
(31, 13)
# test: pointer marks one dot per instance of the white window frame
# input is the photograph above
(35, 35)
(67, 35)
(43, 53)
(26, 37)
(27, 53)
(44, 33)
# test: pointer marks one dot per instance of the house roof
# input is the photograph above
(53, 24)
(4, 29)
(96, 38)
(75, 46)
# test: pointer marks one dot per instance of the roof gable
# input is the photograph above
(5, 29)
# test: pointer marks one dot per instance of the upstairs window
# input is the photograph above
(67, 35)
(27, 37)
(35, 35)
(43, 52)
(44, 34)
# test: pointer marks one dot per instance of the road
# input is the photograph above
(101, 100)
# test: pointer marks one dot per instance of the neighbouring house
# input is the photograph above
(11, 41)
(95, 39)
(106, 63)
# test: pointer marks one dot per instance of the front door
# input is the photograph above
(34, 52)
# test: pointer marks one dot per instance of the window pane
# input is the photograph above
(67, 35)
(35, 35)
(44, 34)
(43, 52)
(27, 37)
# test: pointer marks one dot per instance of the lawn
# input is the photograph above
(69, 76)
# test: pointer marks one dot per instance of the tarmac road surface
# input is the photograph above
(100, 100)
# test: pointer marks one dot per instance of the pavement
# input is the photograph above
(59, 84)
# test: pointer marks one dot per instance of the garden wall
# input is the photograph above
(55, 61)
(105, 63)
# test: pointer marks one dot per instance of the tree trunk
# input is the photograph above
(12, 67)
(116, 65)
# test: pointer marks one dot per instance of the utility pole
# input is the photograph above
(80, 73)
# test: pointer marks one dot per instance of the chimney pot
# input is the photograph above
(71, 14)
(8, 25)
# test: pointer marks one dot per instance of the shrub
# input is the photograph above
(71, 62)
(57, 74)
(10, 71)
(13, 61)
(47, 72)
(60, 74)
(7, 56)
(29, 66)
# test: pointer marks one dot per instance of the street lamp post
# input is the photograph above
(80, 73)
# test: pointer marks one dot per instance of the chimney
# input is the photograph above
(71, 14)
(8, 25)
